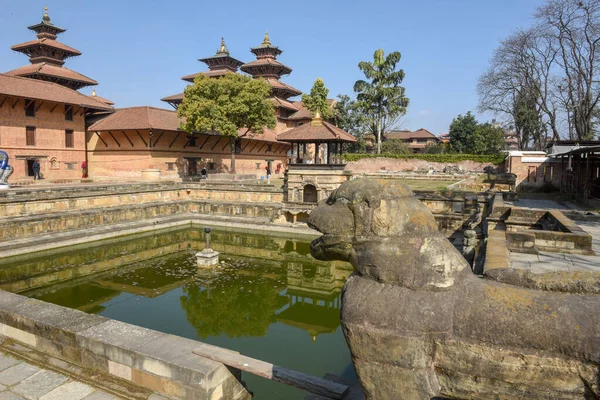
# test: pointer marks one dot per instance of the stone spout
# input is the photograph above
(421, 325)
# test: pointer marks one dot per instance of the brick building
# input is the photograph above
(46, 121)
(137, 138)
(417, 141)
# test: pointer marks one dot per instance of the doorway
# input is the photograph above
(29, 167)
(310, 194)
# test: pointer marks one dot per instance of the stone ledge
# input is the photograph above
(142, 356)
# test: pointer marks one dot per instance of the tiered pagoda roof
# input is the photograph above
(47, 57)
(266, 66)
(218, 65)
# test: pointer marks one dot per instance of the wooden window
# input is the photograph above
(211, 166)
(270, 148)
(69, 113)
(257, 165)
(30, 108)
(170, 166)
(69, 142)
(30, 135)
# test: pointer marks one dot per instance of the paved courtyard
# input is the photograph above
(546, 261)
(20, 380)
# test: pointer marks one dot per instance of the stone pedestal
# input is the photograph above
(207, 258)
(151, 174)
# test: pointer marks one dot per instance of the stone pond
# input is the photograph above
(268, 299)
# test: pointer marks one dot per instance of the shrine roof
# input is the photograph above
(316, 130)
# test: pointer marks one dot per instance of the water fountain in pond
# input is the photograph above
(207, 257)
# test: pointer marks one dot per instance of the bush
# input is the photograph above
(395, 146)
(441, 158)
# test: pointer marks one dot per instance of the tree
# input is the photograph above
(462, 133)
(528, 121)
(380, 96)
(520, 74)
(488, 139)
(227, 105)
(316, 101)
(348, 117)
(574, 26)
(395, 146)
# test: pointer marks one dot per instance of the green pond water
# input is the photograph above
(268, 299)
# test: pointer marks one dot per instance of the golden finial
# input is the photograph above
(223, 48)
(266, 41)
(317, 120)
(46, 17)
(93, 92)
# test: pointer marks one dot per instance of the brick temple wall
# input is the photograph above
(124, 154)
(57, 161)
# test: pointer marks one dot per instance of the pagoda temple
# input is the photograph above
(218, 65)
(47, 57)
(266, 66)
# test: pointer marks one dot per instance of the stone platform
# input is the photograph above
(20, 380)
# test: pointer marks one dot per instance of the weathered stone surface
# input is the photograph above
(419, 324)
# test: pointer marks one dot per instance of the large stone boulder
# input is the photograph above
(420, 325)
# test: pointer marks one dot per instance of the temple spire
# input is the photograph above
(46, 17)
(266, 41)
(223, 49)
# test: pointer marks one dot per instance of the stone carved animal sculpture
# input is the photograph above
(420, 325)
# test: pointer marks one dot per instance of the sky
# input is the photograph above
(139, 50)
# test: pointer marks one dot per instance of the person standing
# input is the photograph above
(268, 168)
(36, 170)
(84, 170)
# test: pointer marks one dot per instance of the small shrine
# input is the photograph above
(316, 165)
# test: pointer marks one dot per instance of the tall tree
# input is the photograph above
(380, 96)
(462, 133)
(521, 69)
(574, 26)
(316, 100)
(227, 106)
(348, 117)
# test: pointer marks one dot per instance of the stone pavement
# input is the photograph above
(546, 261)
(20, 380)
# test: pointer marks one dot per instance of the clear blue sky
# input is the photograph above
(138, 50)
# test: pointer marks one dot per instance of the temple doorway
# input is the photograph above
(310, 194)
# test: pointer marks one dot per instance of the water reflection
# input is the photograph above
(268, 298)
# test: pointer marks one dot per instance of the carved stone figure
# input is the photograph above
(421, 325)
(5, 170)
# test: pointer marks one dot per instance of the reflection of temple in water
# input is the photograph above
(314, 289)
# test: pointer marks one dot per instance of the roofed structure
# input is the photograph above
(317, 131)
(416, 140)
(266, 66)
(133, 118)
(18, 87)
(218, 65)
(47, 57)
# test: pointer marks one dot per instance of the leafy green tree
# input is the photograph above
(462, 133)
(380, 96)
(226, 106)
(395, 146)
(437, 148)
(316, 100)
(488, 139)
(348, 117)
